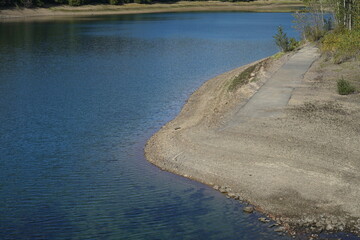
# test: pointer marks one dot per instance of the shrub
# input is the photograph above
(27, 3)
(75, 2)
(313, 33)
(342, 44)
(62, 1)
(344, 87)
(114, 2)
(281, 40)
(328, 24)
(40, 3)
(293, 44)
(245, 76)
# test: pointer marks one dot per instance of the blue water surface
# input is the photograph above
(79, 99)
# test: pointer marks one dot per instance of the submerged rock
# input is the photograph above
(263, 220)
(232, 195)
(248, 209)
(223, 190)
(280, 229)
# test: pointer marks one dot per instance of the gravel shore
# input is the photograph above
(296, 160)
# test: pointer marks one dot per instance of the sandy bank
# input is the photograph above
(133, 8)
(298, 162)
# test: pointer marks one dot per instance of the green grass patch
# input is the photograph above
(277, 56)
(344, 87)
(244, 77)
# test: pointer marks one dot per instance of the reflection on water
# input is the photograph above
(80, 97)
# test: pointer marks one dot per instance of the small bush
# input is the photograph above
(313, 33)
(75, 2)
(342, 44)
(27, 3)
(114, 2)
(293, 44)
(328, 24)
(40, 3)
(283, 42)
(344, 87)
(143, 1)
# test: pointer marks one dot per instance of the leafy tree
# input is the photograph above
(346, 12)
(312, 22)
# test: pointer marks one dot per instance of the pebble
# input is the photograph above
(263, 220)
(279, 229)
(329, 227)
(239, 198)
(248, 209)
(232, 195)
(222, 190)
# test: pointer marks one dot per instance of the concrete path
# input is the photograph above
(276, 92)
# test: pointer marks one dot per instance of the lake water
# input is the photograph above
(79, 99)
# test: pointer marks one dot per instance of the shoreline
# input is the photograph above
(256, 162)
(22, 14)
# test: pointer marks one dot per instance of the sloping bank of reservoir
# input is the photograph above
(285, 142)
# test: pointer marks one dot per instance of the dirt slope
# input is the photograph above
(290, 148)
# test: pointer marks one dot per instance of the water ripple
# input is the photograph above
(80, 98)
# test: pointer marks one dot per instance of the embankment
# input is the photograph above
(297, 162)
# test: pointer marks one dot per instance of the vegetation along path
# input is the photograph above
(285, 142)
(276, 92)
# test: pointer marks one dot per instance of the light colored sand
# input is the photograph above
(291, 148)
